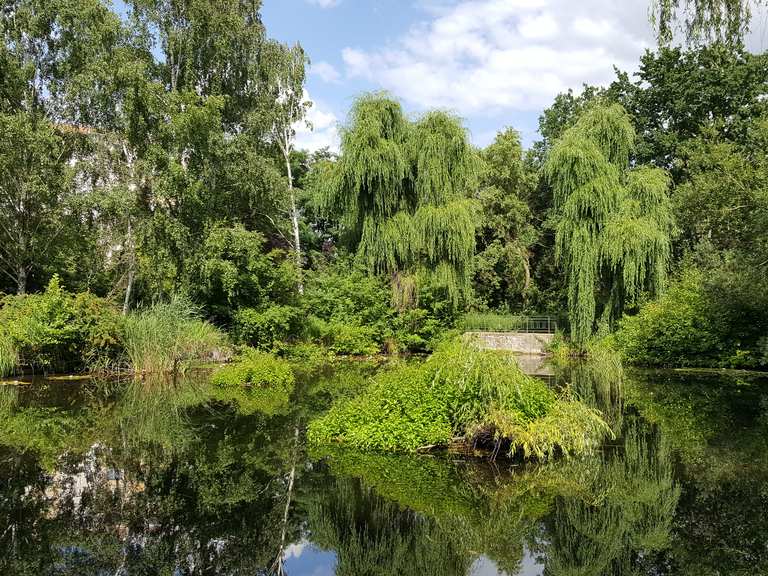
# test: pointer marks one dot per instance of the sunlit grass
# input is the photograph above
(168, 336)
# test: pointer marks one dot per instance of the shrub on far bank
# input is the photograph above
(58, 330)
(267, 328)
(461, 391)
(168, 336)
(351, 312)
(255, 382)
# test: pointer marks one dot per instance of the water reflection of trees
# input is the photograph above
(148, 480)
(601, 515)
(627, 515)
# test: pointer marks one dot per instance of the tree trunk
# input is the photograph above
(294, 220)
(21, 280)
(280, 561)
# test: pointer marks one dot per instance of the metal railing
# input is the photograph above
(478, 322)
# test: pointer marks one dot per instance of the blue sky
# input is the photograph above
(495, 63)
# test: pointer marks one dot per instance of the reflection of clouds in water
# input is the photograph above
(484, 566)
(304, 559)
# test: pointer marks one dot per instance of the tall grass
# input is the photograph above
(168, 336)
(9, 357)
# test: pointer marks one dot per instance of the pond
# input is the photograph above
(105, 478)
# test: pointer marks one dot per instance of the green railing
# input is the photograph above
(485, 322)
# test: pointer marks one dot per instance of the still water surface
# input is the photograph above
(137, 479)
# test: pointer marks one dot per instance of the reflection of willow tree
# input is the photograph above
(629, 513)
(597, 381)
(437, 513)
(372, 535)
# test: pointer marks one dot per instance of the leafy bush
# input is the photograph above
(675, 330)
(257, 382)
(343, 338)
(460, 390)
(167, 336)
(352, 313)
(266, 329)
(58, 330)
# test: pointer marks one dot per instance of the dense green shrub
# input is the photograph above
(343, 338)
(461, 390)
(268, 328)
(674, 330)
(256, 382)
(57, 330)
(167, 336)
(351, 312)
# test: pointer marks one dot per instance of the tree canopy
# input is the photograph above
(613, 222)
(402, 189)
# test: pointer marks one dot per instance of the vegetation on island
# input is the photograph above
(462, 393)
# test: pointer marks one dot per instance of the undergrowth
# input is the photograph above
(256, 382)
(461, 391)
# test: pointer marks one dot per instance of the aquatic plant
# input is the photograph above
(167, 336)
(461, 391)
(9, 357)
(257, 382)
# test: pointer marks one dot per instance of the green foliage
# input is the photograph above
(693, 325)
(59, 330)
(234, 271)
(680, 94)
(9, 357)
(255, 382)
(703, 20)
(401, 189)
(350, 311)
(460, 390)
(505, 233)
(671, 331)
(167, 336)
(268, 328)
(343, 338)
(613, 224)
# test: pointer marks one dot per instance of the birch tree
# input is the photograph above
(286, 68)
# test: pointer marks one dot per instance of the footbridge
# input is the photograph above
(525, 335)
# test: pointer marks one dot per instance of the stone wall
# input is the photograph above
(518, 342)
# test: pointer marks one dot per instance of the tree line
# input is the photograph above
(151, 153)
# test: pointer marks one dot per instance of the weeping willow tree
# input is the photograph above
(402, 189)
(703, 21)
(613, 222)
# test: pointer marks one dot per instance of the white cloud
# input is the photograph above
(487, 56)
(325, 3)
(325, 71)
(322, 131)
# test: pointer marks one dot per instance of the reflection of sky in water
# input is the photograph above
(304, 559)
(484, 566)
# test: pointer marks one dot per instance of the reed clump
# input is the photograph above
(9, 357)
(168, 336)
